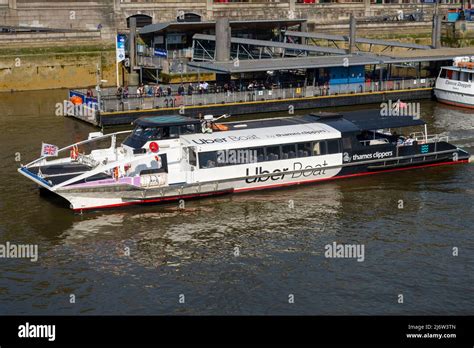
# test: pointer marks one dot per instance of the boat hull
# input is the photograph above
(454, 98)
(93, 200)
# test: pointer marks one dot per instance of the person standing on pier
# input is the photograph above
(181, 89)
(190, 89)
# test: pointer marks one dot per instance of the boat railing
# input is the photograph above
(430, 138)
(111, 102)
(112, 136)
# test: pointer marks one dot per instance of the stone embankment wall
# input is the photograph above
(46, 70)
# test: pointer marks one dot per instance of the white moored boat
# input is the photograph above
(455, 84)
(168, 158)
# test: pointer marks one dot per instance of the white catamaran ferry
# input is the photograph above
(168, 158)
(455, 84)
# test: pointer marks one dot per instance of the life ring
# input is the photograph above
(154, 147)
(76, 100)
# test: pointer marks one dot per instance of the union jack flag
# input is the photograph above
(49, 150)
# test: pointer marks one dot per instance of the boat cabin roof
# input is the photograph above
(165, 121)
(316, 126)
(260, 136)
(372, 119)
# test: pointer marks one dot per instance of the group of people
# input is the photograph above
(163, 91)
(258, 86)
(202, 87)
(403, 141)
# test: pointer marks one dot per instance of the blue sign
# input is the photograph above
(159, 52)
(120, 47)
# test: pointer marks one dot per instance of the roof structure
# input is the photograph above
(241, 24)
(328, 61)
(320, 36)
(372, 120)
(438, 54)
(277, 44)
(254, 65)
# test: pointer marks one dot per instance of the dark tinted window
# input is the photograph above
(347, 143)
(272, 153)
(304, 150)
(333, 146)
(192, 157)
(188, 129)
(288, 151)
(208, 159)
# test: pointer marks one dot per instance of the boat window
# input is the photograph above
(316, 148)
(208, 159)
(455, 76)
(192, 157)
(303, 149)
(333, 146)
(319, 148)
(288, 151)
(442, 73)
(347, 143)
(464, 76)
(260, 154)
(151, 133)
(174, 132)
(223, 158)
(272, 153)
(141, 135)
(188, 129)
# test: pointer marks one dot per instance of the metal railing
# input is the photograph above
(111, 102)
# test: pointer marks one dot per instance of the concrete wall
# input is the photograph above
(55, 70)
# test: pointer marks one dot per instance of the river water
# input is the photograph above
(254, 253)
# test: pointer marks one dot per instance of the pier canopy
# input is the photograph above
(433, 55)
(274, 44)
(334, 38)
(199, 27)
(256, 65)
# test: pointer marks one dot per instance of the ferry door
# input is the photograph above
(190, 163)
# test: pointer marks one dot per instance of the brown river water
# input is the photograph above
(250, 253)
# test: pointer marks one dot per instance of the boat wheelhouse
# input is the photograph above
(171, 158)
(455, 84)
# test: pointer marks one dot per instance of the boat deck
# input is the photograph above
(60, 173)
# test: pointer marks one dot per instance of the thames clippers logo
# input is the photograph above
(346, 157)
(371, 156)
